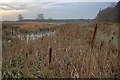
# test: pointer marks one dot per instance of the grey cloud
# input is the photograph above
(8, 7)
(29, 5)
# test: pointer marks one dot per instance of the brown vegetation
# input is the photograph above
(69, 56)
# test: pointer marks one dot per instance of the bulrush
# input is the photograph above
(93, 36)
(50, 55)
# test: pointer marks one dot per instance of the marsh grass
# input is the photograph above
(71, 54)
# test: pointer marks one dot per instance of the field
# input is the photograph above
(59, 50)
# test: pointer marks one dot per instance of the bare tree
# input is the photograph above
(40, 17)
(113, 4)
(109, 14)
(20, 17)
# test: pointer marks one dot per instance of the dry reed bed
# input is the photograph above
(71, 55)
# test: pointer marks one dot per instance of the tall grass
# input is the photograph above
(67, 52)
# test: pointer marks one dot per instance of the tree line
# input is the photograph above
(39, 17)
(109, 14)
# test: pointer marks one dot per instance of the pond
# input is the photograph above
(34, 36)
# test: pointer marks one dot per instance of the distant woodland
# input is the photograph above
(109, 14)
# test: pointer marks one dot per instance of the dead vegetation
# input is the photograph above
(67, 54)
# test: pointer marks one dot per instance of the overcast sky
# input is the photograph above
(56, 9)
